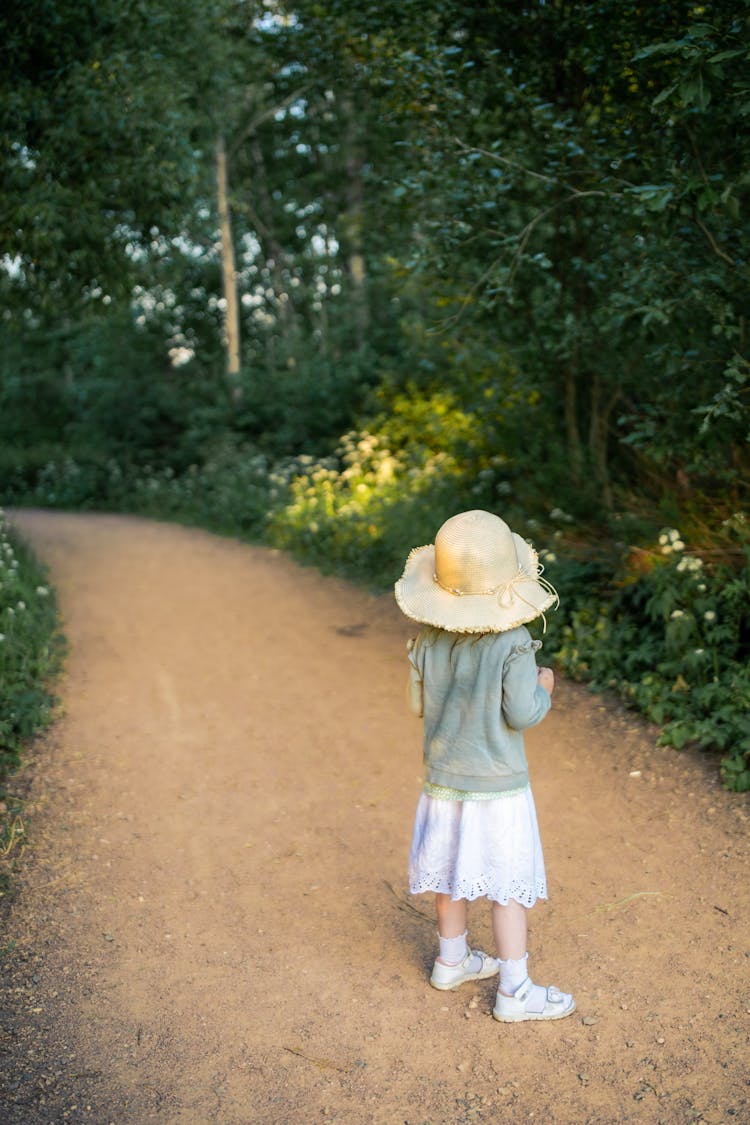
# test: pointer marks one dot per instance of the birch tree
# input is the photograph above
(228, 274)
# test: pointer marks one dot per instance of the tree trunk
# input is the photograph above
(229, 276)
(572, 433)
(353, 223)
(599, 438)
(571, 365)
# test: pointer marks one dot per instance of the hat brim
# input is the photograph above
(421, 598)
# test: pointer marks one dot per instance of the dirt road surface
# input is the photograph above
(213, 923)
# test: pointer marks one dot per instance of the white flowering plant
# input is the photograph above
(30, 648)
(387, 491)
(231, 491)
(30, 655)
(671, 634)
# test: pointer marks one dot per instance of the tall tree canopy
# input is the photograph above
(539, 210)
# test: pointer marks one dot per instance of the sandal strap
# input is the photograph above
(535, 997)
(485, 958)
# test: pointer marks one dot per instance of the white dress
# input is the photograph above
(478, 848)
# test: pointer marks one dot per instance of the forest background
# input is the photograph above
(321, 274)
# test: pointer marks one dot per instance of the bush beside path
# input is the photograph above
(213, 923)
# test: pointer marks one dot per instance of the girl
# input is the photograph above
(473, 678)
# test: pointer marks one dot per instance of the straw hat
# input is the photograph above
(478, 577)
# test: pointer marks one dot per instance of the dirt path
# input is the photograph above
(215, 928)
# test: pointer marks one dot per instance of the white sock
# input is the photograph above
(513, 974)
(453, 949)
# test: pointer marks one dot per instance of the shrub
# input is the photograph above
(231, 492)
(387, 490)
(673, 639)
(30, 647)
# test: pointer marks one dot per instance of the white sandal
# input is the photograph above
(533, 1002)
(446, 977)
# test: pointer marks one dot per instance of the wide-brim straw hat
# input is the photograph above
(477, 577)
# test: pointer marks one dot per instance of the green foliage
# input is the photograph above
(673, 640)
(584, 205)
(306, 402)
(64, 482)
(360, 516)
(232, 492)
(99, 105)
(30, 648)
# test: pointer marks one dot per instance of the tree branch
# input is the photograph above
(714, 244)
(528, 171)
(267, 113)
(523, 240)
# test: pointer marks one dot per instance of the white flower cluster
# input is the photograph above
(12, 605)
(670, 541)
(8, 562)
(709, 615)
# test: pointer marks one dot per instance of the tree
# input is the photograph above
(553, 216)
(228, 271)
(95, 137)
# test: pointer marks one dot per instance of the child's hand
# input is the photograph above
(546, 678)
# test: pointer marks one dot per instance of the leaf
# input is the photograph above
(668, 48)
(665, 93)
(722, 56)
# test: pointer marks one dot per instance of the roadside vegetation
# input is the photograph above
(31, 650)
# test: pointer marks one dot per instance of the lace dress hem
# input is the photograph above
(471, 849)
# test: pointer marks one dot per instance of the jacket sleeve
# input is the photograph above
(414, 688)
(525, 701)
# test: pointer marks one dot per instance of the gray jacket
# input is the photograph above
(477, 694)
